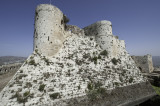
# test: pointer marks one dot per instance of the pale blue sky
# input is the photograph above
(135, 21)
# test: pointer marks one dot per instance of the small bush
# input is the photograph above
(19, 97)
(79, 87)
(98, 84)
(32, 62)
(54, 96)
(46, 75)
(99, 57)
(131, 80)
(27, 93)
(104, 53)
(114, 61)
(41, 87)
(28, 85)
(94, 59)
(65, 19)
(46, 60)
(101, 90)
(90, 86)
(22, 75)
(79, 62)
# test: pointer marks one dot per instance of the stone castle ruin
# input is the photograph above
(144, 63)
(75, 67)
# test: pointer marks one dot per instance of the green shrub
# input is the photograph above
(104, 53)
(28, 85)
(157, 89)
(98, 85)
(27, 93)
(54, 96)
(131, 80)
(46, 75)
(41, 87)
(90, 86)
(19, 97)
(101, 90)
(99, 57)
(65, 19)
(94, 59)
(114, 61)
(46, 60)
(32, 62)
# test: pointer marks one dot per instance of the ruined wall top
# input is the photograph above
(103, 27)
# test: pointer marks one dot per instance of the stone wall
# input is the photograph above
(102, 31)
(75, 29)
(131, 95)
(8, 68)
(144, 63)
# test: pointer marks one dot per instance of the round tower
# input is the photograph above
(49, 29)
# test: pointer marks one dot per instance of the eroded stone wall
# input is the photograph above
(144, 63)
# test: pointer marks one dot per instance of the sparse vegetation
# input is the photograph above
(65, 19)
(90, 86)
(94, 59)
(21, 76)
(131, 80)
(19, 97)
(41, 87)
(32, 62)
(114, 61)
(157, 89)
(46, 75)
(28, 85)
(54, 96)
(46, 60)
(104, 53)
(96, 91)
(27, 93)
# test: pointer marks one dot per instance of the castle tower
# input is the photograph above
(49, 29)
(102, 31)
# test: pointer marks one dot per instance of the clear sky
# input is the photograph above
(135, 21)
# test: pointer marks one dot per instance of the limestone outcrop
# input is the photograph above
(80, 64)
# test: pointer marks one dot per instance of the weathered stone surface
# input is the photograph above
(144, 63)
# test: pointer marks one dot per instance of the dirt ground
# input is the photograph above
(5, 78)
